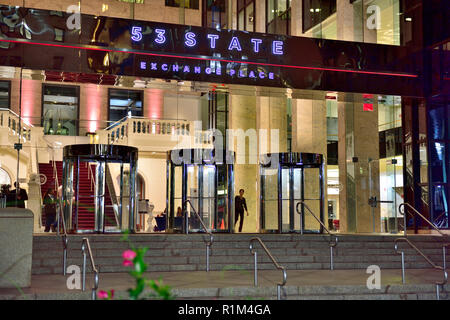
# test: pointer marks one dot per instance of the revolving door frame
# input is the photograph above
(201, 163)
(293, 161)
(101, 154)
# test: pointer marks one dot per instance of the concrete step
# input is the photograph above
(187, 252)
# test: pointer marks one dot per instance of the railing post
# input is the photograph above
(403, 267)
(438, 294)
(207, 257)
(65, 261)
(186, 222)
(255, 254)
(404, 221)
(444, 249)
(331, 258)
(278, 292)
(83, 288)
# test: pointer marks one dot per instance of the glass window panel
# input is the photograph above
(270, 184)
(60, 110)
(378, 21)
(209, 181)
(123, 103)
(271, 215)
(241, 20)
(189, 4)
(312, 184)
(437, 123)
(215, 13)
(285, 218)
(250, 18)
(178, 176)
(311, 223)
(4, 94)
(285, 183)
(438, 166)
(297, 183)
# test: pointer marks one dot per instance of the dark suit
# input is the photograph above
(20, 199)
(239, 205)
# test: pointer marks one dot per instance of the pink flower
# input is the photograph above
(127, 263)
(129, 255)
(112, 293)
(102, 294)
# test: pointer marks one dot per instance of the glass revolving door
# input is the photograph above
(299, 177)
(93, 200)
(195, 175)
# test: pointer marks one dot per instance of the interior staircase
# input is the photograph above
(86, 208)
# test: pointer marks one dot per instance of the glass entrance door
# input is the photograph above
(282, 190)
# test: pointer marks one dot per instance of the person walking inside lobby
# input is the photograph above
(239, 206)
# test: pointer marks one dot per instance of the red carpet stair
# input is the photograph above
(86, 207)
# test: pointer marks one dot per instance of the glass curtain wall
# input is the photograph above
(379, 21)
(319, 18)
(215, 14)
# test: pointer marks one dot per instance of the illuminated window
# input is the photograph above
(188, 4)
(123, 103)
(60, 105)
(278, 16)
(316, 11)
(5, 94)
(215, 14)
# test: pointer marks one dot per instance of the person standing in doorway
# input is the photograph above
(239, 206)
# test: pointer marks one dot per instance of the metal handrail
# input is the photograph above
(405, 239)
(417, 212)
(278, 266)
(61, 220)
(211, 237)
(85, 244)
(91, 174)
(332, 243)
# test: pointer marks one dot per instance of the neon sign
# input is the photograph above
(187, 69)
(191, 40)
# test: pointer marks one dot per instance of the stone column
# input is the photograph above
(260, 18)
(358, 164)
(242, 120)
(309, 124)
(345, 20)
(34, 201)
(296, 18)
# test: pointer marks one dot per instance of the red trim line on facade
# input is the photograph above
(215, 59)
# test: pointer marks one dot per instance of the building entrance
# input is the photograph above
(92, 200)
(199, 182)
(298, 180)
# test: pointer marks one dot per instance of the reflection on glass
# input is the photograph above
(378, 21)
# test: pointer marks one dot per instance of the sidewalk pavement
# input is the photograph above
(55, 287)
